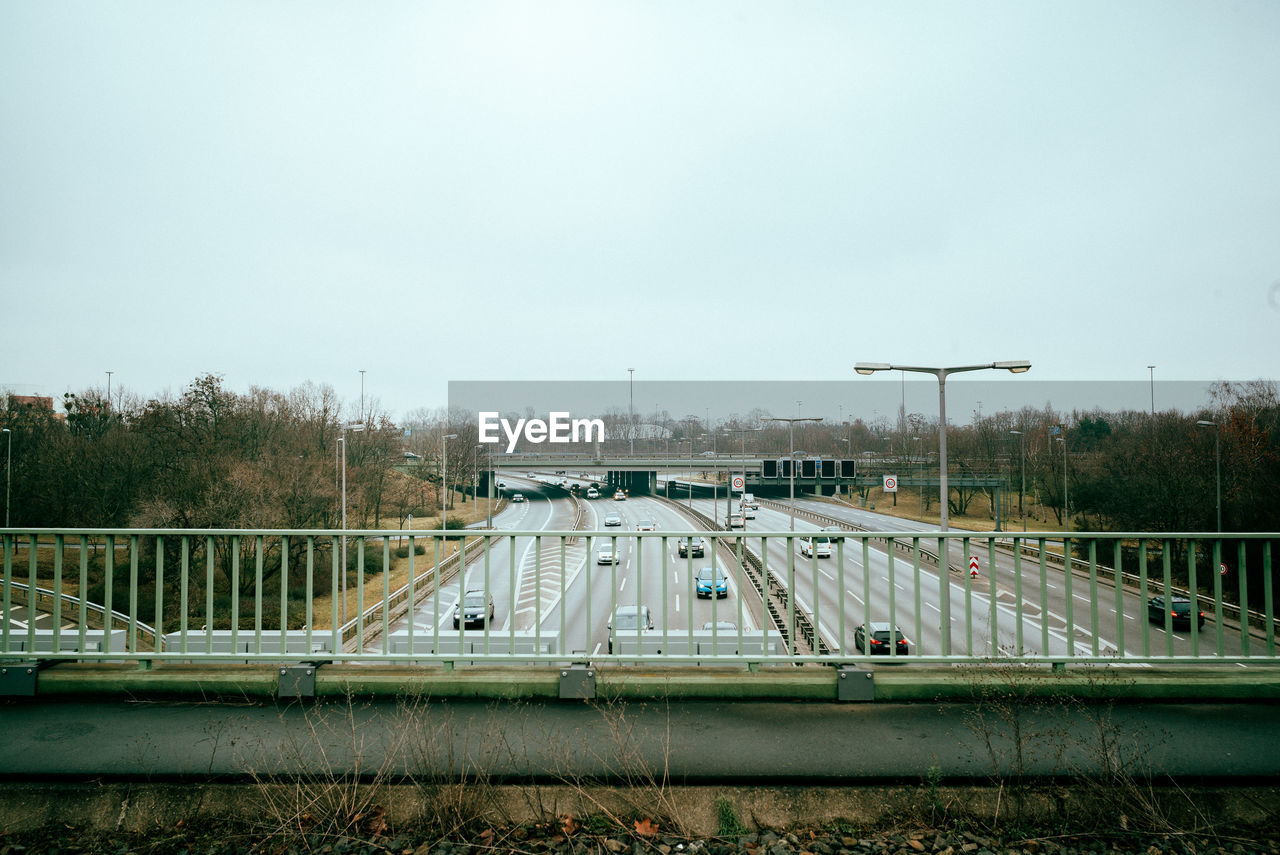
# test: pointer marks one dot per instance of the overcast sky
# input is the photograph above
(282, 192)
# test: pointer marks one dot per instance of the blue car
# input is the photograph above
(709, 577)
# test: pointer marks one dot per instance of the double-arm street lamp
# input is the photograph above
(1015, 367)
(354, 427)
(1217, 462)
(791, 454)
(728, 500)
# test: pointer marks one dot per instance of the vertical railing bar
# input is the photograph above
(740, 573)
(1268, 597)
(915, 575)
(235, 590)
(1019, 612)
(1117, 559)
(1044, 597)
(791, 592)
(311, 575)
(640, 584)
(209, 620)
(968, 594)
(891, 551)
(764, 595)
(360, 543)
(1144, 596)
(335, 590)
(259, 588)
(1068, 584)
(866, 594)
(841, 599)
(1193, 583)
(666, 598)
(1168, 594)
(159, 619)
(993, 602)
(817, 599)
(131, 639)
(413, 597)
(386, 595)
(688, 556)
(109, 567)
(513, 598)
(1217, 603)
(1094, 626)
(511, 628)
(564, 571)
(587, 650)
(8, 592)
(435, 591)
(1243, 586)
(183, 623)
(84, 586)
(284, 593)
(58, 545)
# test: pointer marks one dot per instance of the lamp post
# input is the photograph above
(742, 435)
(354, 427)
(1217, 464)
(1151, 369)
(362, 394)
(475, 473)
(1022, 453)
(631, 410)
(791, 439)
(488, 453)
(8, 472)
(444, 484)
(920, 474)
(1015, 367)
(848, 450)
(1066, 505)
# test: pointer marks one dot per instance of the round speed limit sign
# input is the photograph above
(890, 484)
(738, 483)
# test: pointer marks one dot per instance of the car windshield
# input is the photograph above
(883, 636)
(474, 600)
(646, 523)
(1182, 608)
(627, 620)
(704, 575)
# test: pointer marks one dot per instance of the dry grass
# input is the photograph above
(980, 516)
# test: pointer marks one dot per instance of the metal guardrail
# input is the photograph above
(92, 614)
(1031, 612)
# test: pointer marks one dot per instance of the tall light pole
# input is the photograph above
(1066, 505)
(362, 394)
(475, 473)
(919, 473)
(8, 472)
(742, 434)
(1152, 370)
(631, 410)
(444, 484)
(355, 427)
(109, 373)
(1015, 367)
(791, 440)
(1217, 464)
(1022, 453)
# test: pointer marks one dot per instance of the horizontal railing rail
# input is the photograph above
(754, 597)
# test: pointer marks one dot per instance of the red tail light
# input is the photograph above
(876, 641)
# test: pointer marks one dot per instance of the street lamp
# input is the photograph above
(742, 434)
(1066, 505)
(444, 483)
(362, 371)
(631, 410)
(8, 473)
(920, 473)
(1022, 453)
(1151, 369)
(1015, 367)
(1217, 463)
(791, 438)
(354, 427)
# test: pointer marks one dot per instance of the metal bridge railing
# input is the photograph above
(551, 597)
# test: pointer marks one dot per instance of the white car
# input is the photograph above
(737, 521)
(646, 525)
(517, 497)
(619, 496)
(613, 519)
(606, 555)
(820, 545)
(748, 512)
(593, 493)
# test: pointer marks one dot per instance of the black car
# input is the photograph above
(478, 609)
(684, 547)
(877, 641)
(1178, 610)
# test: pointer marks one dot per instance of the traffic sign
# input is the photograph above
(1222, 569)
(973, 566)
(891, 483)
(738, 483)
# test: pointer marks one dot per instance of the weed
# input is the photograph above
(727, 822)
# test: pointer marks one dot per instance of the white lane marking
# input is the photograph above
(677, 602)
(1080, 598)
(899, 587)
(597, 649)
(855, 596)
(1051, 585)
(825, 573)
(935, 608)
(1242, 665)
(675, 576)
(623, 585)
